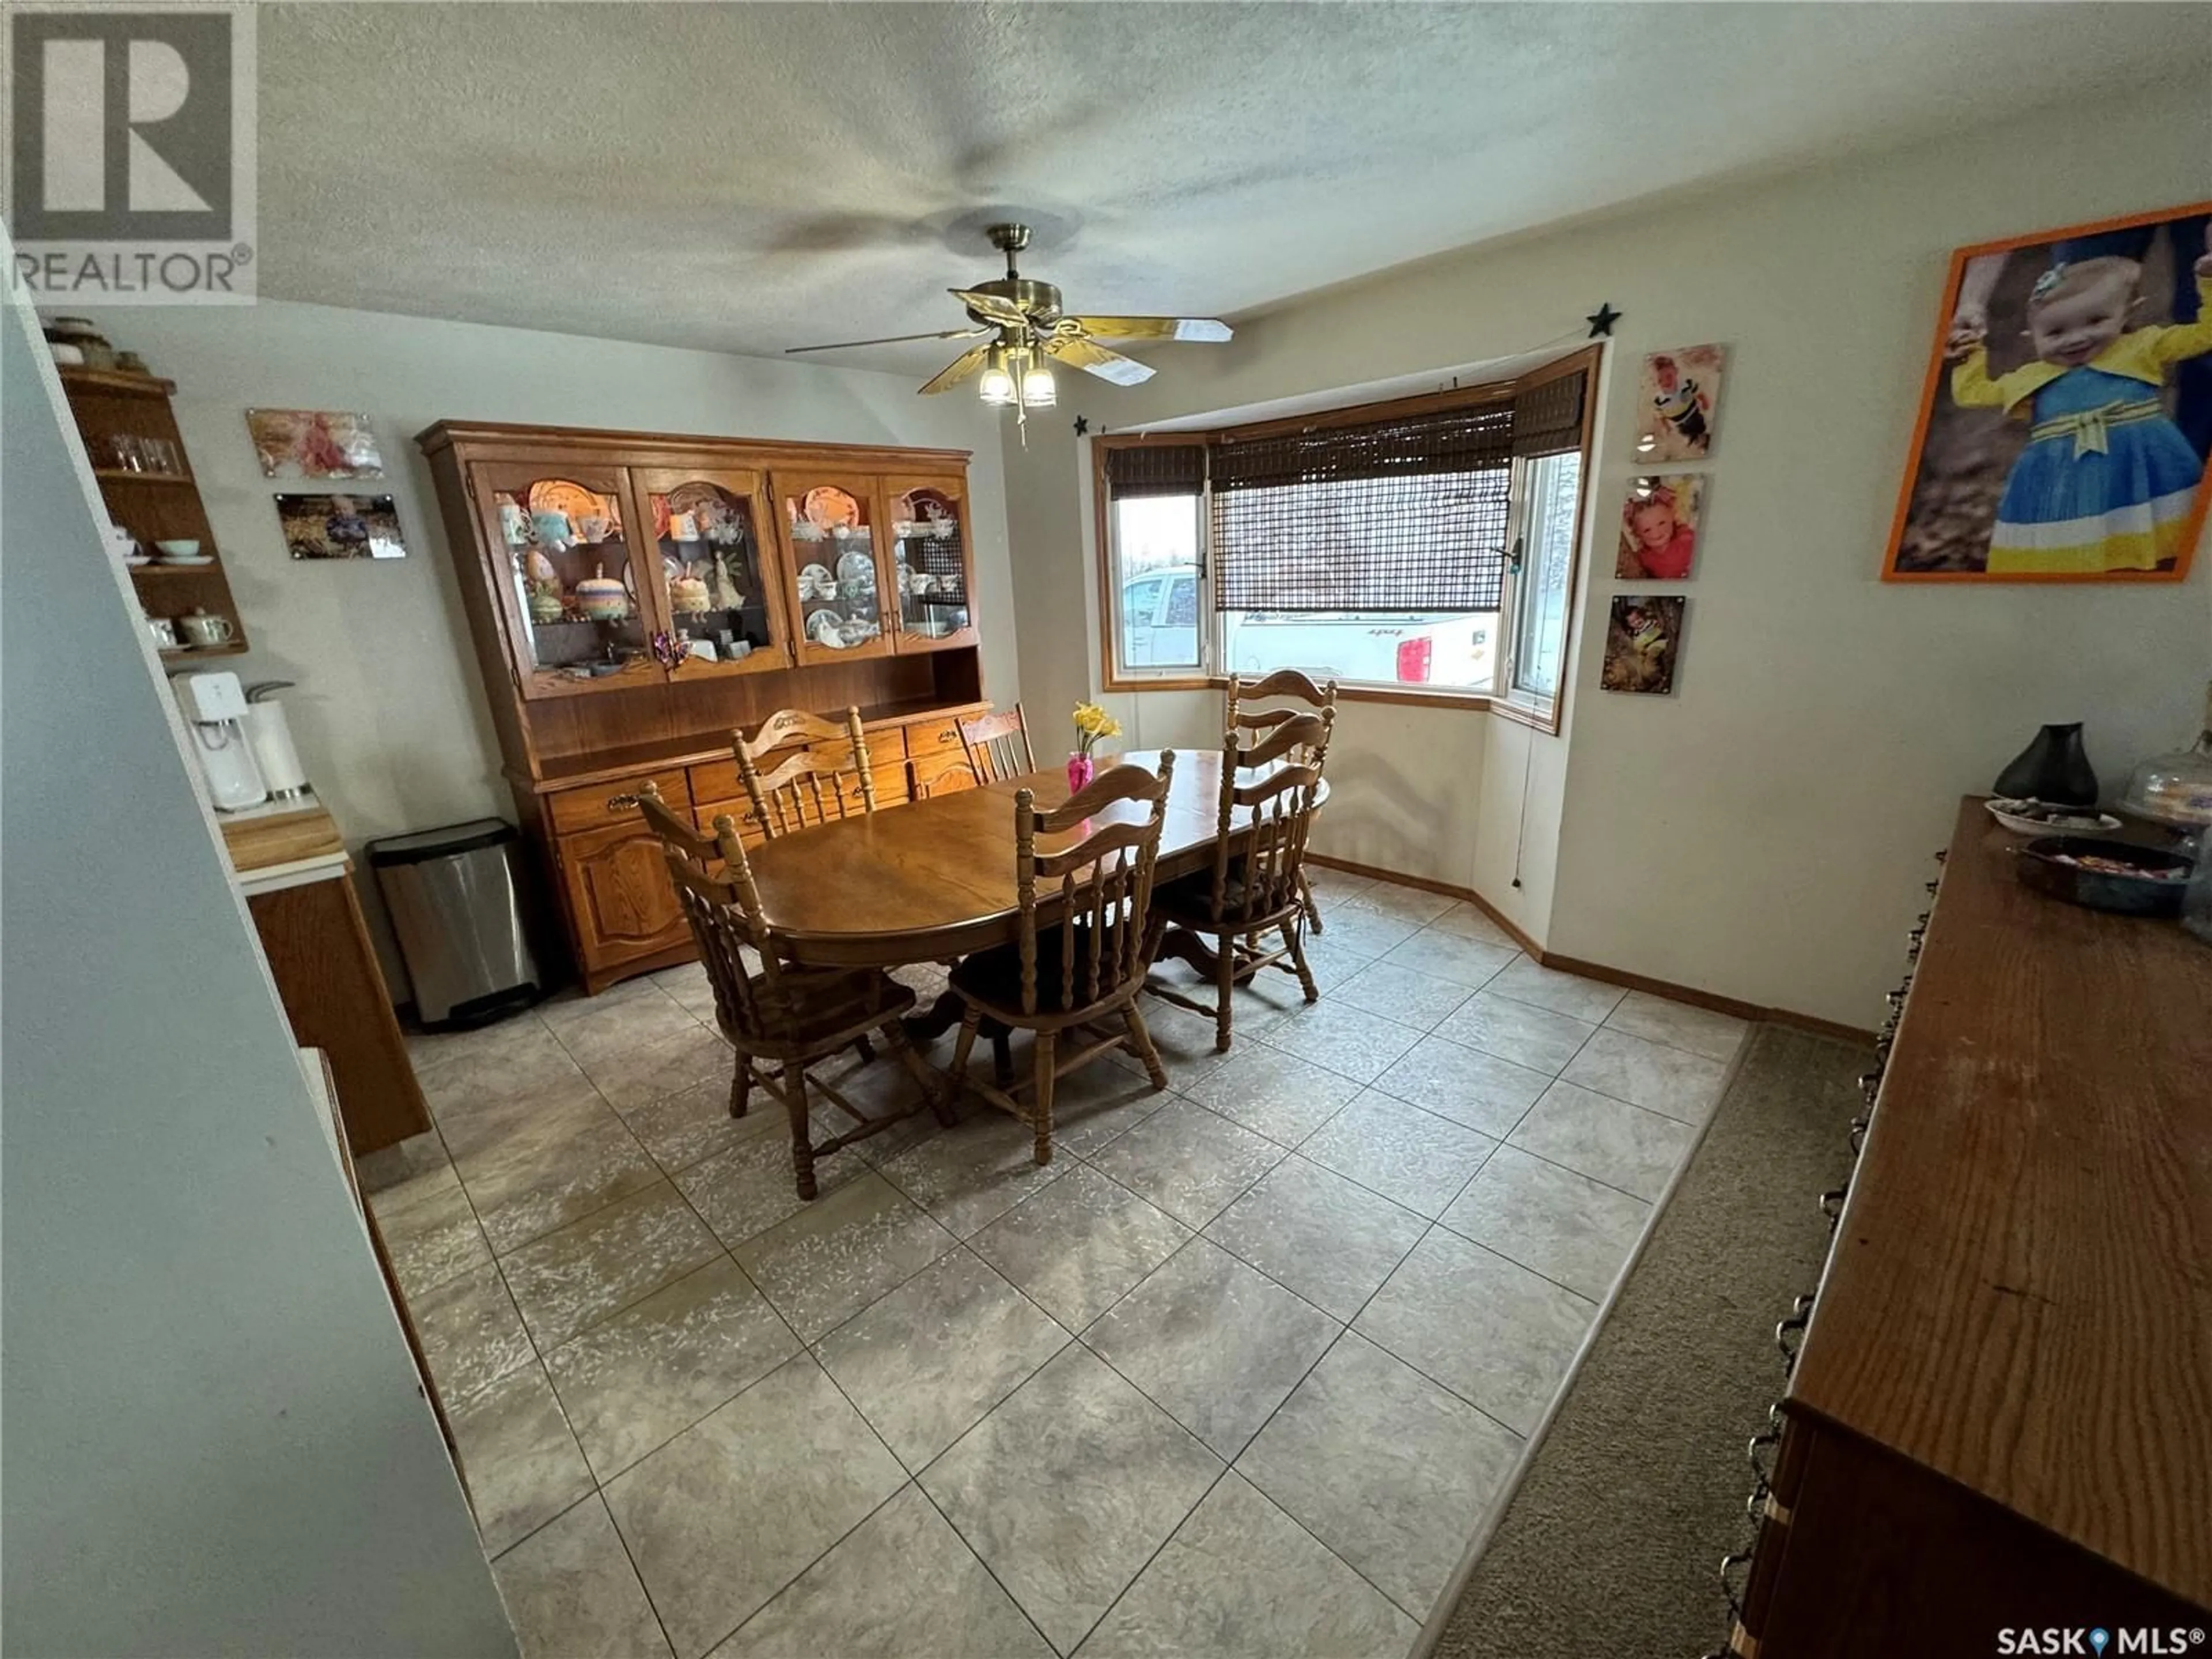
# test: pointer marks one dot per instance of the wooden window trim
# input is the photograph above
(1549, 715)
(1498, 699)
(1111, 678)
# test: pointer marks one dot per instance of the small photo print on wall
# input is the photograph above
(341, 527)
(1678, 403)
(1659, 523)
(314, 443)
(1643, 643)
(2067, 414)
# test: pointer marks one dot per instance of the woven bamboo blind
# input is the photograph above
(1547, 417)
(1399, 515)
(1405, 514)
(1155, 469)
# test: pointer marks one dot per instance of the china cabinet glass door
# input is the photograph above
(574, 610)
(841, 605)
(719, 591)
(932, 564)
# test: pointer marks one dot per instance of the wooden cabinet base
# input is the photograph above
(335, 995)
(1875, 1555)
(1998, 1432)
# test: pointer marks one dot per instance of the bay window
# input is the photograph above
(1424, 547)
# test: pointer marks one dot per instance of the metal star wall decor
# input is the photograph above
(1082, 426)
(1602, 321)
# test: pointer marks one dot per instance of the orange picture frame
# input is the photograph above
(1992, 438)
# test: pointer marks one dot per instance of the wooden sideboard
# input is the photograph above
(2000, 1418)
(636, 598)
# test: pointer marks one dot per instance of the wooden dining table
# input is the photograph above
(934, 880)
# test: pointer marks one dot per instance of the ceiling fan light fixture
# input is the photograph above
(996, 386)
(1038, 390)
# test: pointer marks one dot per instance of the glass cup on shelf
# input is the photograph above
(160, 456)
(129, 453)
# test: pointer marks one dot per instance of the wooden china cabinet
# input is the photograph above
(635, 597)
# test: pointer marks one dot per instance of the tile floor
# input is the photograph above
(1238, 1375)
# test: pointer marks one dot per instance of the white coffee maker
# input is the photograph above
(214, 714)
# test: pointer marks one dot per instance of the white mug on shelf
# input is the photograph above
(164, 632)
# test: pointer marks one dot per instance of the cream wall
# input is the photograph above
(1763, 833)
(217, 1441)
(391, 716)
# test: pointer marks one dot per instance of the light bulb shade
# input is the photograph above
(996, 386)
(1038, 390)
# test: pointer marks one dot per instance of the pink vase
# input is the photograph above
(1080, 771)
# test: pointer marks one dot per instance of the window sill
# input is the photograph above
(1404, 696)
(1538, 717)
(1159, 683)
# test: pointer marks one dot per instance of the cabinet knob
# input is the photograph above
(622, 802)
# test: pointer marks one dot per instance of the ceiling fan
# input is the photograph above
(1026, 325)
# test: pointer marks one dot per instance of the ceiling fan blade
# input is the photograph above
(891, 339)
(1094, 359)
(1155, 328)
(1004, 313)
(957, 370)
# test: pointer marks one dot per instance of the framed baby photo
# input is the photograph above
(1659, 523)
(1677, 403)
(1642, 644)
(2067, 411)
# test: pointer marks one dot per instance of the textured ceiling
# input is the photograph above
(749, 177)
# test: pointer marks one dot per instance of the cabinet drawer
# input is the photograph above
(942, 774)
(749, 830)
(613, 802)
(717, 780)
(928, 738)
(890, 781)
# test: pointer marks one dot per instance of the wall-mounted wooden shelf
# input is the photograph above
(124, 475)
(116, 382)
(185, 654)
(109, 404)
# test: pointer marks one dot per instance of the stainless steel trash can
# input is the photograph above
(461, 904)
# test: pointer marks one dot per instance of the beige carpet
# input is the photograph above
(1609, 1547)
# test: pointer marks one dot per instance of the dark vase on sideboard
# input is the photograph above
(2053, 768)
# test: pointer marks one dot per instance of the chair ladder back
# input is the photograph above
(1269, 843)
(1302, 736)
(1286, 683)
(723, 908)
(806, 787)
(998, 746)
(1104, 885)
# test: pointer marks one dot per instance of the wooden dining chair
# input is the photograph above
(1084, 968)
(780, 1017)
(825, 781)
(998, 746)
(1260, 888)
(1288, 683)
